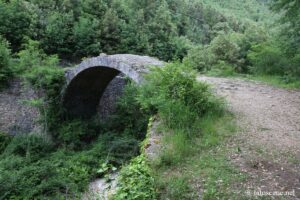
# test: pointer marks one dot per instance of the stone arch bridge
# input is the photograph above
(88, 81)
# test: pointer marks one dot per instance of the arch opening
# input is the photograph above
(83, 93)
(86, 82)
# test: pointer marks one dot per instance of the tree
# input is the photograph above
(86, 37)
(135, 34)
(163, 30)
(110, 32)
(291, 18)
(225, 49)
(15, 22)
(59, 34)
(5, 58)
(94, 8)
(267, 58)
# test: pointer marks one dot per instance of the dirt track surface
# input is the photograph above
(268, 143)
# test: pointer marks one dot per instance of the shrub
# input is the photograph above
(136, 182)
(267, 58)
(4, 141)
(228, 50)
(222, 69)
(128, 117)
(39, 180)
(295, 70)
(59, 174)
(174, 93)
(30, 146)
(5, 61)
(200, 58)
(75, 134)
(42, 73)
(224, 48)
(40, 70)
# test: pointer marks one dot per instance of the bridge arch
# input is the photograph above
(87, 81)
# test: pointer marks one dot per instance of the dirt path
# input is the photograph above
(268, 144)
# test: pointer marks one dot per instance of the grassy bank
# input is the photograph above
(199, 167)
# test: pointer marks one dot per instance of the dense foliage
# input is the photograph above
(224, 37)
(174, 93)
(5, 62)
(163, 28)
(180, 101)
(212, 35)
(59, 163)
(136, 181)
(38, 167)
(290, 33)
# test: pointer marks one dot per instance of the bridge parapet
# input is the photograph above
(133, 66)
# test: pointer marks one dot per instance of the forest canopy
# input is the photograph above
(235, 36)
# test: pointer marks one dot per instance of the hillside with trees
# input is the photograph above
(249, 39)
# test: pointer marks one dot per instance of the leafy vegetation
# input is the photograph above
(210, 35)
(32, 168)
(174, 92)
(59, 163)
(189, 113)
(162, 28)
(228, 38)
(136, 181)
(35, 167)
(5, 62)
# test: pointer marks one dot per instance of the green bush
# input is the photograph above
(32, 179)
(128, 117)
(31, 146)
(135, 181)
(43, 74)
(31, 169)
(40, 70)
(226, 51)
(174, 93)
(200, 58)
(268, 58)
(296, 65)
(4, 141)
(5, 62)
(75, 134)
(222, 69)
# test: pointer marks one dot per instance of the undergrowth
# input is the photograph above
(5, 63)
(60, 162)
(192, 162)
(35, 167)
(61, 166)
